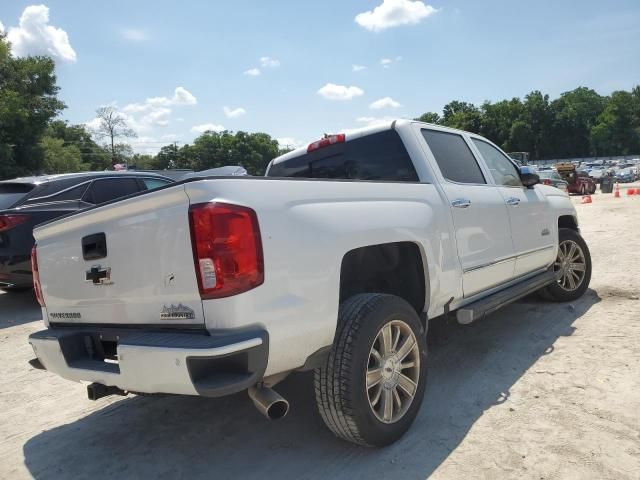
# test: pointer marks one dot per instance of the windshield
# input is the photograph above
(11, 193)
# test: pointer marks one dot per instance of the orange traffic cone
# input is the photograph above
(631, 191)
(616, 194)
(586, 199)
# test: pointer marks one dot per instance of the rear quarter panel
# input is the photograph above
(307, 227)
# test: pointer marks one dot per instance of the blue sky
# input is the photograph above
(420, 55)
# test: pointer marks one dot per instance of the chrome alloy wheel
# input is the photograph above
(393, 371)
(570, 265)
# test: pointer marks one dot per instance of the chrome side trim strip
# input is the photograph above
(502, 260)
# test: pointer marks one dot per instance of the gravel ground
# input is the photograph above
(535, 391)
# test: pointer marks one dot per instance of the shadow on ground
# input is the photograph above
(18, 307)
(471, 370)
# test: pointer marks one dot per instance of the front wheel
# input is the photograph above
(371, 387)
(572, 267)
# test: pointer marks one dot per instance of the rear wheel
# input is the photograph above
(371, 387)
(572, 267)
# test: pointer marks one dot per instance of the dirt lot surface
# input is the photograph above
(535, 391)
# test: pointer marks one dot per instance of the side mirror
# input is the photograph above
(528, 177)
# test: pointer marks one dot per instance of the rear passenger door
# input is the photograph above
(480, 217)
(529, 214)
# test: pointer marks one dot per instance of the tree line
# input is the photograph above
(580, 123)
(33, 140)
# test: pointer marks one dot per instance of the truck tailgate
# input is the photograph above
(143, 274)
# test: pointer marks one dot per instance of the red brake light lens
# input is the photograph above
(37, 288)
(227, 249)
(326, 141)
(7, 222)
(546, 181)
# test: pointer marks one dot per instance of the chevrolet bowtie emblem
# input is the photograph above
(99, 275)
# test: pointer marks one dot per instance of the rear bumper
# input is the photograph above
(157, 362)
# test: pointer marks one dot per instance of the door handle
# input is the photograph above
(461, 203)
(513, 201)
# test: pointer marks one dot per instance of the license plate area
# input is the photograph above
(88, 351)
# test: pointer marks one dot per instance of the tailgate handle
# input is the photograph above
(94, 246)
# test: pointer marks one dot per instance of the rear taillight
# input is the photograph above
(546, 181)
(227, 249)
(37, 288)
(7, 222)
(326, 141)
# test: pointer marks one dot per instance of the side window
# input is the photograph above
(152, 183)
(454, 157)
(74, 193)
(503, 171)
(111, 188)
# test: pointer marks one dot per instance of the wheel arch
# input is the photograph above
(396, 268)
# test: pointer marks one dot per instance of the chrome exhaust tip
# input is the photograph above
(269, 403)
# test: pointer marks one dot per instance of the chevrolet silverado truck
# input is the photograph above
(334, 261)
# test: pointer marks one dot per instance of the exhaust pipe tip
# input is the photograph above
(269, 403)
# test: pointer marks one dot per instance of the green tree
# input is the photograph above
(429, 117)
(94, 155)
(28, 101)
(575, 114)
(462, 115)
(61, 158)
(497, 120)
(615, 132)
(252, 151)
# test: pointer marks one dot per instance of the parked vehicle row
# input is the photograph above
(336, 261)
(27, 202)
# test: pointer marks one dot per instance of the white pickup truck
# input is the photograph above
(335, 261)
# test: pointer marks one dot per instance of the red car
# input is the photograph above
(578, 182)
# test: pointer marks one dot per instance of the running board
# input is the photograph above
(478, 309)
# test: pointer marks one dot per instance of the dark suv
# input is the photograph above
(27, 202)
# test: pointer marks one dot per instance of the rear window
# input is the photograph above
(11, 193)
(380, 156)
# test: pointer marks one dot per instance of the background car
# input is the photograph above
(625, 175)
(549, 177)
(27, 202)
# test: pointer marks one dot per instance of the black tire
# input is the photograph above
(340, 385)
(555, 292)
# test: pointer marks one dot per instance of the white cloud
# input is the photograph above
(234, 112)
(386, 102)
(1, 28)
(34, 36)
(331, 91)
(158, 116)
(252, 72)
(135, 35)
(206, 127)
(358, 68)
(394, 13)
(290, 142)
(386, 62)
(181, 96)
(269, 62)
